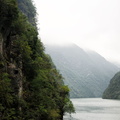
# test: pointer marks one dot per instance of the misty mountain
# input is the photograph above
(117, 64)
(86, 73)
(113, 90)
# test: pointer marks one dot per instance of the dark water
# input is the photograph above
(95, 109)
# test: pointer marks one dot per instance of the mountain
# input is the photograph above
(31, 88)
(117, 64)
(86, 73)
(113, 90)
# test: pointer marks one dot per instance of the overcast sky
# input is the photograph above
(92, 24)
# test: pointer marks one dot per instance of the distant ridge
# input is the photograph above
(86, 73)
(113, 90)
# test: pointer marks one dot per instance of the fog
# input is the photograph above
(91, 24)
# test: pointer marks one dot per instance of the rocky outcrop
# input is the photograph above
(11, 61)
(1, 46)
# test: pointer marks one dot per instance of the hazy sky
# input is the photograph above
(92, 24)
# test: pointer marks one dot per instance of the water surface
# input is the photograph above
(95, 109)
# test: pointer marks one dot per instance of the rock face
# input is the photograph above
(1, 45)
(11, 61)
(113, 90)
(86, 73)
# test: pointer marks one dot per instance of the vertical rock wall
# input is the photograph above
(11, 61)
(1, 45)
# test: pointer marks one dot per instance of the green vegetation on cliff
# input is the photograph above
(31, 88)
(28, 9)
(113, 90)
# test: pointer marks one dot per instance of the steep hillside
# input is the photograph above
(86, 73)
(28, 9)
(113, 90)
(30, 86)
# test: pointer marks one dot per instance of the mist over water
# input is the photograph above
(95, 109)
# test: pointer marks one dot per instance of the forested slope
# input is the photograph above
(30, 86)
(113, 90)
(86, 73)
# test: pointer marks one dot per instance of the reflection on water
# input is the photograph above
(95, 109)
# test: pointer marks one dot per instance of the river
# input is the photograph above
(95, 109)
